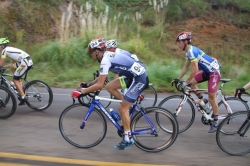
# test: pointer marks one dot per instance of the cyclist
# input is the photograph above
(242, 90)
(123, 65)
(204, 68)
(21, 63)
(111, 45)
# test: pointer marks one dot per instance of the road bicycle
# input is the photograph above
(183, 106)
(237, 127)
(83, 125)
(39, 94)
(149, 95)
(8, 103)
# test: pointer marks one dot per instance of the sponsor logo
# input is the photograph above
(214, 85)
(120, 67)
(101, 70)
(136, 88)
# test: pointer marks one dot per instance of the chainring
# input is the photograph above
(120, 132)
(205, 121)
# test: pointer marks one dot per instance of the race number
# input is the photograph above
(137, 69)
(215, 65)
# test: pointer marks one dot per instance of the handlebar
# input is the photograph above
(178, 85)
(239, 96)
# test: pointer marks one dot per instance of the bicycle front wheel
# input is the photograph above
(237, 142)
(185, 116)
(93, 132)
(149, 97)
(8, 103)
(148, 139)
(40, 95)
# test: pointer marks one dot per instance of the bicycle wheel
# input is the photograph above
(149, 97)
(91, 135)
(186, 115)
(234, 143)
(160, 140)
(8, 103)
(40, 95)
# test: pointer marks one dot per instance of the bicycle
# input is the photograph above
(39, 94)
(183, 106)
(143, 125)
(146, 100)
(8, 103)
(237, 127)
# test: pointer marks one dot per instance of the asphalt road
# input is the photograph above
(33, 138)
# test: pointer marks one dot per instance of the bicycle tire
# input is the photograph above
(154, 142)
(3, 83)
(187, 111)
(70, 121)
(233, 143)
(8, 103)
(149, 101)
(40, 95)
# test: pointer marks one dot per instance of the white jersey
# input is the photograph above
(14, 53)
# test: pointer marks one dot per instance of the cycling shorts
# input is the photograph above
(213, 79)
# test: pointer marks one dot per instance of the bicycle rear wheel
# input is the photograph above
(8, 103)
(149, 96)
(91, 135)
(156, 141)
(40, 95)
(233, 142)
(186, 115)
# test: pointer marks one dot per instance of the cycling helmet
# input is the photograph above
(184, 36)
(98, 43)
(111, 44)
(4, 41)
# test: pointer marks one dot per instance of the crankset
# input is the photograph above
(205, 121)
(120, 132)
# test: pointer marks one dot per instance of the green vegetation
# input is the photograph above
(138, 26)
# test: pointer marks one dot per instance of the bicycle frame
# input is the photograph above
(187, 95)
(95, 102)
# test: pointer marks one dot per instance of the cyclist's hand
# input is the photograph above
(175, 81)
(182, 84)
(76, 94)
(238, 91)
(2, 68)
(83, 85)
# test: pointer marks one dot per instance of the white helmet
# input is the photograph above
(111, 44)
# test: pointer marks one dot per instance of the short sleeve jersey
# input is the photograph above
(14, 53)
(205, 62)
(121, 64)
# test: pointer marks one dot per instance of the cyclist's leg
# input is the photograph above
(22, 67)
(113, 86)
(138, 85)
(213, 82)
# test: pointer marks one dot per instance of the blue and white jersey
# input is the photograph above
(118, 50)
(121, 64)
(205, 62)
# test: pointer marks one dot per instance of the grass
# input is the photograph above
(65, 62)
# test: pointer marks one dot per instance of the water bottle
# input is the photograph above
(208, 105)
(202, 104)
(13, 84)
(114, 114)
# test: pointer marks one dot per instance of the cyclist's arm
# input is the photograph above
(97, 86)
(195, 69)
(92, 82)
(247, 86)
(2, 61)
(184, 70)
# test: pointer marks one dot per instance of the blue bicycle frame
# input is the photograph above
(95, 102)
